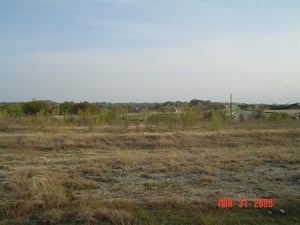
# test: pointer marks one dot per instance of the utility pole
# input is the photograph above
(230, 105)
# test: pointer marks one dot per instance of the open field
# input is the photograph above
(78, 175)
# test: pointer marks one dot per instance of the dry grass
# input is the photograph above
(32, 190)
(77, 176)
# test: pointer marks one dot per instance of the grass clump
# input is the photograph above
(32, 191)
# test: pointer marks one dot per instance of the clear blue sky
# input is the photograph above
(150, 50)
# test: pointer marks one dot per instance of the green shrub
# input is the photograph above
(191, 116)
(66, 108)
(84, 107)
(216, 120)
(153, 120)
(12, 109)
(241, 117)
(77, 108)
(279, 117)
(110, 117)
(34, 107)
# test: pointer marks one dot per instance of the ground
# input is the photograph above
(78, 175)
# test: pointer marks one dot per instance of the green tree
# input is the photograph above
(77, 108)
(66, 108)
(34, 107)
(84, 107)
(12, 109)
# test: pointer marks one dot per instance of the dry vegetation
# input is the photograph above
(77, 175)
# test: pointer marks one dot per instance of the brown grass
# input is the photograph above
(76, 176)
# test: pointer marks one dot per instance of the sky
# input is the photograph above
(150, 50)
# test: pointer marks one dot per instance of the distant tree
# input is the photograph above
(217, 106)
(157, 106)
(84, 107)
(243, 106)
(76, 108)
(178, 104)
(66, 108)
(279, 107)
(12, 109)
(168, 103)
(34, 107)
(194, 102)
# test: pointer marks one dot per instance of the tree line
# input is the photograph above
(73, 108)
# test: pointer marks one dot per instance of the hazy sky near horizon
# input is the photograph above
(150, 50)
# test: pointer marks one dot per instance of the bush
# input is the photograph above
(77, 108)
(66, 108)
(216, 120)
(279, 117)
(84, 107)
(191, 116)
(258, 112)
(34, 107)
(12, 109)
